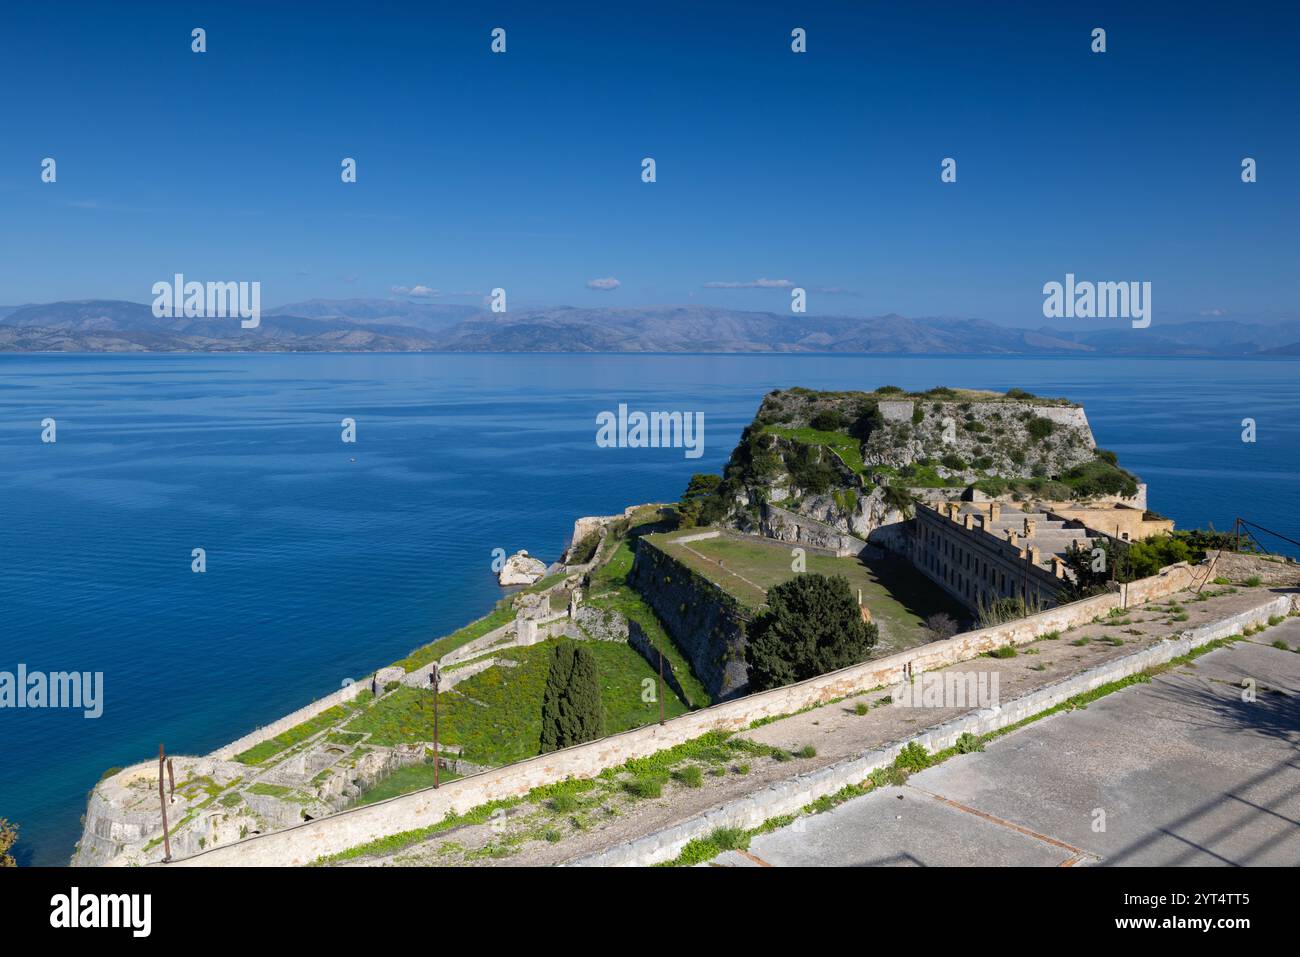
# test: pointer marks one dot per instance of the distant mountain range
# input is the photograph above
(383, 325)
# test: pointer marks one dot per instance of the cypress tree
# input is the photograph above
(572, 710)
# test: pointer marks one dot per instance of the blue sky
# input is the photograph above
(523, 170)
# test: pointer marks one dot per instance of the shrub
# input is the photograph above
(730, 838)
(691, 776)
(1040, 428)
(913, 757)
(809, 469)
(564, 803)
(940, 625)
(812, 626)
(953, 462)
(1201, 540)
(901, 498)
(968, 743)
(645, 786)
(807, 751)
(703, 503)
(1006, 609)
(1100, 477)
(867, 420)
(828, 420)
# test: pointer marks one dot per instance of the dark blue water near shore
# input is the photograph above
(321, 568)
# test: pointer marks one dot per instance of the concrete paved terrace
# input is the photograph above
(1176, 772)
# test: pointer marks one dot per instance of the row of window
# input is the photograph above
(965, 572)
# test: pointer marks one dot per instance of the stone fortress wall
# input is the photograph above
(303, 843)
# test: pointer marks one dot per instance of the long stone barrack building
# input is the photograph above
(980, 552)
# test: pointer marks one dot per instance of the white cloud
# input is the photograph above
(605, 284)
(755, 284)
(418, 291)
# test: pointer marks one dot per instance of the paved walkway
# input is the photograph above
(1177, 772)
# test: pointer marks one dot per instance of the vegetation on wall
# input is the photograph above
(1121, 561)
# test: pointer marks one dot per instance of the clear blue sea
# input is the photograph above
(320, 568)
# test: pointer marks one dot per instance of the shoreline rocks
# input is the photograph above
(521, 569)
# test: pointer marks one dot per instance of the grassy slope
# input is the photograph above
(495, 716)
(609, 589)
(301, 732)
(844, 445)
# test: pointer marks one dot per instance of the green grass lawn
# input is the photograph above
(496, 716)
(414, 777)
(898, 596)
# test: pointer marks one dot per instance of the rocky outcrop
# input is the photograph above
(601, 624)
(520, 569)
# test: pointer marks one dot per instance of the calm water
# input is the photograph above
(321, 568)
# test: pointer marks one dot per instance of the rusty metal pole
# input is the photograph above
(437, 752)
(661, 685)
(171, 781)
(162, 802)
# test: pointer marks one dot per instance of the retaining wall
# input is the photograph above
(705, 622)
(305, 842)
(304, 713)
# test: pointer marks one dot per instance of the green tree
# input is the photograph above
(572, 711)
(1123, 561)
(812, 626)
(702, 502)
(8, 837)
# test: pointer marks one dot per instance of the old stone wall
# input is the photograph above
(706, 623)
(305, 713)
(305, 842)
(1270, 569)
(637, 638)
